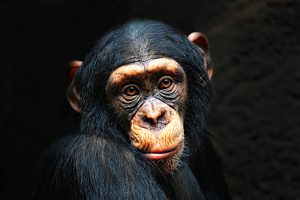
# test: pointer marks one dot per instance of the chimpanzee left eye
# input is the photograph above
(165, 82)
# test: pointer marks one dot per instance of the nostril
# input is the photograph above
(149, 121)
(160, 118)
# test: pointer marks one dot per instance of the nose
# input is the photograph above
(153, 113)
(154, 117)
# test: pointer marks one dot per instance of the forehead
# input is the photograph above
(150, 67)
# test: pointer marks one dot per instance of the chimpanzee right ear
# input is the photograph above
(200, 40)
(72, 94)
(74, 66)
(73, 97)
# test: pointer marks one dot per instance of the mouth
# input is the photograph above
(157, 155)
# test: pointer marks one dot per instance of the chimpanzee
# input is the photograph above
(142, 93)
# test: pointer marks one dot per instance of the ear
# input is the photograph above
(73, 97)
(202, 42)
(199, 39)
(74, 66)
(210, 72)
(72, 94)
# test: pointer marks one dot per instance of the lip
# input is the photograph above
(157, 155)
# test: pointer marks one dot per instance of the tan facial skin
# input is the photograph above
(156, 128)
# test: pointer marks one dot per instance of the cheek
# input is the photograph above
(183, 99)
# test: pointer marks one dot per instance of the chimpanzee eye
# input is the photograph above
(165, 82)
(131, 90)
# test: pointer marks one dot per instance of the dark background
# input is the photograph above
(255, 48)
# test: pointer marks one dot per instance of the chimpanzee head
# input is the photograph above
(145, 85)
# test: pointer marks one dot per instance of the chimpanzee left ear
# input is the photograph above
(199, 39)
(202, 42)
(72, 94)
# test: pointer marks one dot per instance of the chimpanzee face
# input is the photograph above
(139, 73)
(152, 96)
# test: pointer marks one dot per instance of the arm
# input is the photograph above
(89, 167)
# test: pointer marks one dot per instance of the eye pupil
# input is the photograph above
(166, 82)
(131, 89)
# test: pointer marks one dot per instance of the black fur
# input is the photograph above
(98, 162)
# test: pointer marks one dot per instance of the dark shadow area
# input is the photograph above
(256, 53)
